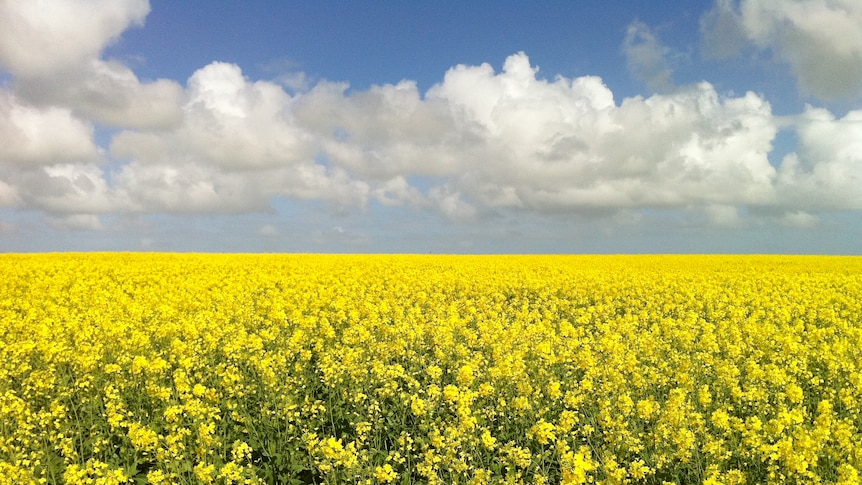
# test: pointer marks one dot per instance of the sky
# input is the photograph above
(669, 126)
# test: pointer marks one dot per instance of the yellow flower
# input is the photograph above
(450, 393)
(465, 375)
(542, 431)
(488, 441)
(385, 473)
(577, 466)
(434, 372)
(638, 470)
(205, 473)
(794, 393)
(417, 405)
(331, 448)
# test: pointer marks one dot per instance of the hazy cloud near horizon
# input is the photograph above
(479, 141)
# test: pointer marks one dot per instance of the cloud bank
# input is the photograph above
(478, 142)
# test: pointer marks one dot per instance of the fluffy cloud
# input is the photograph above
(237, 146)
(48, 159)
(41, 37)
(565, 144)
(68, 188)
(479, 139)
(34, 136)
(53, 49)
(821, 40)
(108, 93)
(826, 171)
(478, 142)
(722, 31)
(724, 215)
(226, 121)
(8, 195)
(385, 132)
(647, 57)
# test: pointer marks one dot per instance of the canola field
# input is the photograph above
(183, 368)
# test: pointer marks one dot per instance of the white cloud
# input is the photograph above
(49, 161)
(41, 37)
(384, 132)
(724, 215)
(826, 171)
(477, 142)
(821, 40)
(451, 204)
(8, 195)
(722, 31)
(294, 81)
(39, 136)
(397, 191)
(186, 188)
(646, 57)
(53, 49)
(227, 121)
(507, 139)
(66, 188)
(565, 145)
(107, 92)
(238, 145)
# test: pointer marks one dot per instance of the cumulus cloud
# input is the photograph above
(724, 215)
(38, 38)
(8, 195)
(478, 142)
(722, 31)
(107, 92)
(226, 121)
(68, 188)
(452, 204)
(565, 144)
(646, 57)
(34, 136)
(49, 161)
(237, 146)
(825, 172)
(397, 191)
(384, 132)
(821, 40)
(53, 50)
(483, 139)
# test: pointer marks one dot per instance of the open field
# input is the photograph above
(168, 368)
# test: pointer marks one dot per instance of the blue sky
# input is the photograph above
(451, 127)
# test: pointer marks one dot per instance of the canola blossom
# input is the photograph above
(250, 369)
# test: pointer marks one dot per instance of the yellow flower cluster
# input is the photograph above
(249, 369)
